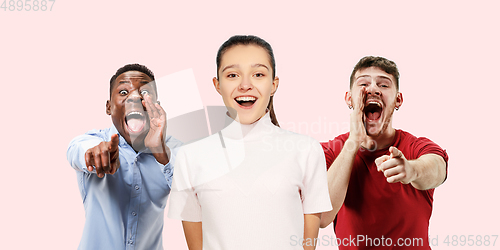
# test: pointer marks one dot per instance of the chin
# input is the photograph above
(249, 118)
(373, 130)
(137, 138)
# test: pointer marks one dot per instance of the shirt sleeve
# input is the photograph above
(331, 150)
(168, 169)
(77, 148)
(423, 146)
(184, 204)
(315, 197)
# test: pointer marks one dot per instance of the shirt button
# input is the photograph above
(135, 160)
(136, 187)
(130, 242)
(134, 213)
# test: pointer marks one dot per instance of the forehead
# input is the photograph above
(373, 72)
(245, 54)
(134, 79)
(133, 76)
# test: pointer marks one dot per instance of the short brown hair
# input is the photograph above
(376, 61)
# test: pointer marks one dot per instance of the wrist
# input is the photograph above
(412, 165)
(352, 145)
(158, 146)
(162, 155)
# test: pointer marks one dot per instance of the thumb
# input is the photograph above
(395, 153)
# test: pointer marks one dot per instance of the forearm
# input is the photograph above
(194, 234)
(338, 179)
(311, 230)
(77, 148)
(430, 170)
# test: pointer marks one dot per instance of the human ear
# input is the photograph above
(216, 84)
(399, 99)
(108, 108)
(348, 98)
(276, 83)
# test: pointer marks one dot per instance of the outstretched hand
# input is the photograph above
(104, 157)
(357, 131)
(396, 167)
(155, 139)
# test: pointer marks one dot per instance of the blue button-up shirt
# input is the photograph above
(124, 210)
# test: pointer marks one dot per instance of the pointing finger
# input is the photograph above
(395, 153)
(114, 143)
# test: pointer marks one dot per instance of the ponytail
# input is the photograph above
(270, 106)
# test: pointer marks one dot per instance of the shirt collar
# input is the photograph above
(238, 131)
(122, 141)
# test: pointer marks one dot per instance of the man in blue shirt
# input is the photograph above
(124, 172)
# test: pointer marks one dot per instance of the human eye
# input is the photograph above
(123, 92)
(259, 75)
(144, 92)
(231, 75)
(383, 85)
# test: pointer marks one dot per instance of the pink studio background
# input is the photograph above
(55, 68)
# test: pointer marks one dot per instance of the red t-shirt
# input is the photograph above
(379, 213)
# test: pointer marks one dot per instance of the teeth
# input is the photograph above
(135, 113)
(245, 98)
(378, 104)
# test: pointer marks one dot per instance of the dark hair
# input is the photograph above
(376, 61)
(131, 67)
(250, 40)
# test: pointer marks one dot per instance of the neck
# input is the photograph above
(137, 144)
(380, 141)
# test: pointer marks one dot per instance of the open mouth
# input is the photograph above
(373, 110)
(246, 101)
(135, 121)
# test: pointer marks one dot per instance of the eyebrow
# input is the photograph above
(238, 66)
(384, 77)
(127, 80)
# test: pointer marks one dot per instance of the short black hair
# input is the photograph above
(384, 64)
(130, 67)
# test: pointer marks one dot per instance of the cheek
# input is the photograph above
(265, 89)
(354, 97)
(226, 92)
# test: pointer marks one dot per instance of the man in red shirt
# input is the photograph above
(381, 180)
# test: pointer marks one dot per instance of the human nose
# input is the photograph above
(134, 96)
(372, 89)
(245, 84)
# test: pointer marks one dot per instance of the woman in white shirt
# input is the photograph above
(253, 185)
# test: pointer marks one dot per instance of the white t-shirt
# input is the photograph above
(250, 185)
